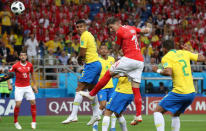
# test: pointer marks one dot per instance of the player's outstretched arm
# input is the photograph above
(201, 58)
(7, 76)
(166, 72)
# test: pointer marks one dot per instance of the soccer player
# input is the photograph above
(23, 88)
(120, 99)
(176, 64)
(90, 74)
(105, 93)
(131, 64)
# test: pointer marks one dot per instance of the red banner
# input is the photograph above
(197, 107)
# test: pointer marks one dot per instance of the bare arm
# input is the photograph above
(166, 72)
(201, 58)
(82, 55)
(9, 85)
(34, 83)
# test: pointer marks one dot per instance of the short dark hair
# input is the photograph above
(112, 20)
(168, 44)
(81, 21)
(23, 51)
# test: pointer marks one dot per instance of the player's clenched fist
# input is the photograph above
(35, 89)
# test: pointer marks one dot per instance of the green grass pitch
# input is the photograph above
(52, 123)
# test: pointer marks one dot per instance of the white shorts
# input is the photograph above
(132, 68)
(21, 92)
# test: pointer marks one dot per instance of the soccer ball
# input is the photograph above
(17, 7)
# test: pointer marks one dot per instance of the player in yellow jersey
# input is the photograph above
(105, 93)
(92, 68)
(120, 99)
(176, 64)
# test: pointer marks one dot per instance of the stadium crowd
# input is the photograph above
(47, 27)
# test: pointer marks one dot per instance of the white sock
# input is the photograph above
(77, 101)
(159, 121)
(175, 124)
(95, 106)
(105, 123)
(122, 123)
(101, 112)
(113, 120)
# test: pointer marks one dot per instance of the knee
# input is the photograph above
(102, 107)
(18, 105)
(160, 109)
(32, 102)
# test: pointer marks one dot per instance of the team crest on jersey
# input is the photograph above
(28, 68)
(111, 63)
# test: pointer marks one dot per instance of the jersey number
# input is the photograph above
(24, 75)
(134, 37)
(183, 67)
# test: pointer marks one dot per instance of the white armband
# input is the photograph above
(159, 70)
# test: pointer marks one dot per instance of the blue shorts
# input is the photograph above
(105, 94)
(174, 102)
(119, 102)
(91, 72)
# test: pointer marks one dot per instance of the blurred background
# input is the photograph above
(49, 26)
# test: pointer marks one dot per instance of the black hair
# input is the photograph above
(112, 20)
(81, 21)
(168, 44)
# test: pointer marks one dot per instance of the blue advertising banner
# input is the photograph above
(7, 107)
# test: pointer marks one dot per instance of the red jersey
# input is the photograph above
(22, 73)
(127, 39)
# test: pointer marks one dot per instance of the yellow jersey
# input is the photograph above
(179, 62)
(124, 86)
(51, 44)
(5, 18)
(87, 41)
(106, 64)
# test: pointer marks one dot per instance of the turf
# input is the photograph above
(52, 123)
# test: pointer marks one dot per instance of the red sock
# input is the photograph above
(103, 81)
(16, 113)
(137, 100)
(33, 113)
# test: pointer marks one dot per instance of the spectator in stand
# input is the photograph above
(172, 22)
(12, 58)
(50, 60)
(68, 48)
(146, 59)
(4, 51)
(156, 56)
(55, 44)
(31, 45)
(75, 45)
(5, 16)
(162, 89)
(63, 58)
